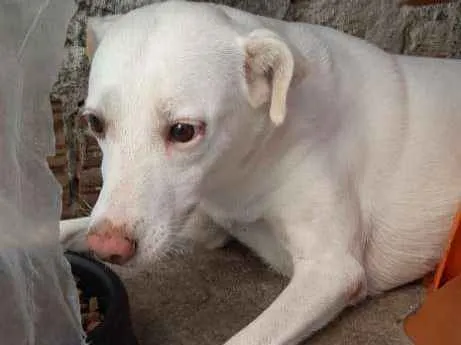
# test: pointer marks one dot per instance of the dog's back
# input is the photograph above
(400, 122)
(413, 195)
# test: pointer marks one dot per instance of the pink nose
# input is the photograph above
(111, 243)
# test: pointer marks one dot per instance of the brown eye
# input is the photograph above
(96, 124)
(182, 133)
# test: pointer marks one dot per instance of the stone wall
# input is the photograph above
(429, 31)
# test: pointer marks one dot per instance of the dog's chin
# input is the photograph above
(154, 253)
(134, 267)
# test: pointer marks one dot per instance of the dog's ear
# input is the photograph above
(95, 31)
(271, 68)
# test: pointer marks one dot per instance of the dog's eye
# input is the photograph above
(182, 132)
(95, 123)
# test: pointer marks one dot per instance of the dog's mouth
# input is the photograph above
(151, 242)
(118, 260)
(115, 259)
(158, 245)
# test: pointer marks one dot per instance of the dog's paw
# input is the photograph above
(216, 239)
(72, 234)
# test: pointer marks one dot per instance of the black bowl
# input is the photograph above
(96, 279)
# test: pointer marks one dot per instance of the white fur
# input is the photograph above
(338, 163)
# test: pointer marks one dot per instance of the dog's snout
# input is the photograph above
(111, 243)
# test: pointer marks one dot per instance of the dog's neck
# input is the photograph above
(243, 191)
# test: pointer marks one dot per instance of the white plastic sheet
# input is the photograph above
(38, 297)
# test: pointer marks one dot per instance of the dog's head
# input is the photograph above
(177, 99)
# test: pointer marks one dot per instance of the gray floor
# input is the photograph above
(204, 298)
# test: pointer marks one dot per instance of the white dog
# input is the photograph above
(337, 163)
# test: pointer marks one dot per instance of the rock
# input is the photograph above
(429, 30)
(270, 8)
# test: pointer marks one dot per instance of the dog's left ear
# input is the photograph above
(95, 30)
(271, 68)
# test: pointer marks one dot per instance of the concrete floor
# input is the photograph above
(206, 297)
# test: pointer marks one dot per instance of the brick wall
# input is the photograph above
(75, 164)
(59, 163)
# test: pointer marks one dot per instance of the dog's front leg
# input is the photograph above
(318, 291)
(72, 233)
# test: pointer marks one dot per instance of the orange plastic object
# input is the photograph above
(437, 321)
(450, 265)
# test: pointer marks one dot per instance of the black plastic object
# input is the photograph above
(96, 279)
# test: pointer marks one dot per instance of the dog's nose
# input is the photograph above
(111, 243)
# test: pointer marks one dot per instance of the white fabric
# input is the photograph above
(39, 303)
